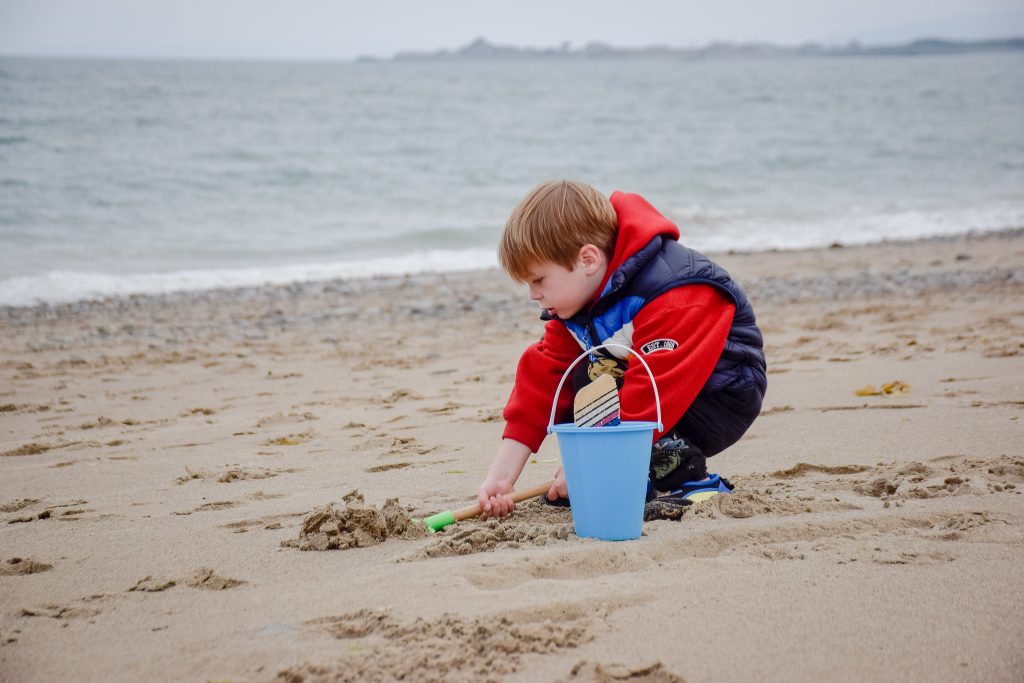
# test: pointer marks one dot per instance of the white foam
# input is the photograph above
(66, 286)
(706, 229)
(718, 231)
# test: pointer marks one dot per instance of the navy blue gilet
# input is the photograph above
(664, 264)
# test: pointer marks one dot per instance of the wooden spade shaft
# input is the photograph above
(443, 519)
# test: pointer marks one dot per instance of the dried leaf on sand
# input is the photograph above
(888, 389)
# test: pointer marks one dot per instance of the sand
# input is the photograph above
(355, 525)
(163, 459)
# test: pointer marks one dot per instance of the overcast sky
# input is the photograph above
(332, 29)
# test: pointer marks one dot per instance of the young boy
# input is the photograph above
(612, 270)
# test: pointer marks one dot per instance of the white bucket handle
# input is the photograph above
(558, 391)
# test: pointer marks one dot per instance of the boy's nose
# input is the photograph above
(534, 294)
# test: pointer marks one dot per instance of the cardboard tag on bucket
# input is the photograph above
(597, 404)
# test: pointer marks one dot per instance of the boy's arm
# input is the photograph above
(501, 478)
(540, 369)
(694, 323)
(526, 416)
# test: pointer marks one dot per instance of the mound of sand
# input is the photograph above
(17, 566)
(354, 525)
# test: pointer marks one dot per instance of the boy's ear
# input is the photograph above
(591, 258)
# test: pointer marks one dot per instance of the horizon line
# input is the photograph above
(439, 51)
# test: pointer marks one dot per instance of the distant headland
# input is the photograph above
(482, 49)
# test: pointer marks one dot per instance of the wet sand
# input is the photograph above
(159, 455)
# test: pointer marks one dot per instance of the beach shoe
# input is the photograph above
(672, 505)
(699, 491)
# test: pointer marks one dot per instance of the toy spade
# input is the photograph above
(597, 404)
(443, 519)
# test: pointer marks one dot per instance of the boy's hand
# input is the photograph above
(501, 478)
(558, 488)
(494, 499)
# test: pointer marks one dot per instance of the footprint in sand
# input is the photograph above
(776, 410)
(445, 409)
(872, 406)
(23, 408)
(285, 375)
(235, 474)
(207, 507)
(387, 648)
(392, 466)
(484, 416)
(749, 501)
(19, 504)
(396, 445)
(204, 578)
(582, 563)
(408, 445)
(281, 419)
(33, 448)
(269, 523)
(99, 422)
(403, 465)
(46, 513)
(60, 612)
(148, 584)
(877, 538)
(197, 411)
(20, 566)
(589, 672)
(208, 579)
(396, 396)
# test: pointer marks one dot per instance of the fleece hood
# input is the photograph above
(639, 223)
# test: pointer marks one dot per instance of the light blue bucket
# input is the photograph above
(606, 468)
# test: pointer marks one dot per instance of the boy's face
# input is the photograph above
(563, 292)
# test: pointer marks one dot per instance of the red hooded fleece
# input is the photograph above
(697, 317)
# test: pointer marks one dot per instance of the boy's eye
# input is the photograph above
(538, 281)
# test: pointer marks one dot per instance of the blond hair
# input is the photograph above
(552, 223)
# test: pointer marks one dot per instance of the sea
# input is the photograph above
(122, 177)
